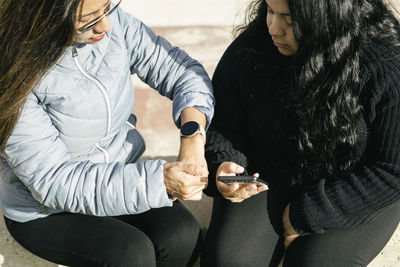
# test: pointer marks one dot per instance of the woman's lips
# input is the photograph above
(280, 44)
(98, 38)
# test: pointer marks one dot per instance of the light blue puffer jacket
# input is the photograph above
(70, 150)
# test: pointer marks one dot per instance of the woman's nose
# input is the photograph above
(277, 27)
(103, 25)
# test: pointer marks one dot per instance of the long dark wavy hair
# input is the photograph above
(330, 35)
(33, 36)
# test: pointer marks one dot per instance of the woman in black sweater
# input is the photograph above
(308, 97)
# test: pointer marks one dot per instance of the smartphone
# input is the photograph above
(241, 179)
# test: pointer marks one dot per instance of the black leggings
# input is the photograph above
(162, 237)
(240, 235)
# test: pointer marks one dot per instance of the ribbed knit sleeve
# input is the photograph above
(226, 137)
(346, 202)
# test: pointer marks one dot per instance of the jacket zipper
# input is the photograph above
(105, 96)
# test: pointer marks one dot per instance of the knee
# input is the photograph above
(184, 231)
(217, 253)
(188, 230)
(140, 254)
(179, 243)
(126, 251)
(234, 250)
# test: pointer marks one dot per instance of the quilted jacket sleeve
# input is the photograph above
(41, 161)
(168, 69)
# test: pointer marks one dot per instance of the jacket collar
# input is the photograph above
(89, 55)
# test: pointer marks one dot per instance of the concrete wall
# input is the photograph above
(196, 12)
(187, 12)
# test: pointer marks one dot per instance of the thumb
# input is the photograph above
(230, 167)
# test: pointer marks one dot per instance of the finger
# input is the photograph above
(191, 180)
(262, 187)
(235, 200)
(229, 167)
(176, 181)
(231, 195)
(247, 191)
(240, 193)
(196, 195)
(175, 196)
(188, 191)
(228, 188)
(196, 190)
(251, 187)
(194, 169)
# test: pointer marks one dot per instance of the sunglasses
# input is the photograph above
(93, 24)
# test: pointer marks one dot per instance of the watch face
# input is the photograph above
(189, 128)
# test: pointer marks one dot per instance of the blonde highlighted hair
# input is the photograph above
(394, 6)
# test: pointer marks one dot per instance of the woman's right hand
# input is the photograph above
(236, 192)
(184, 180)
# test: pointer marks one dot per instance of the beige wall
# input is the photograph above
(187, 12)
(198, 12)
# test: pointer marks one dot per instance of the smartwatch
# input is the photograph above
(192, 128)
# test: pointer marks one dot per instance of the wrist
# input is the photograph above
(191, 149)
(196, 140)
(192, 144)
(192, 130)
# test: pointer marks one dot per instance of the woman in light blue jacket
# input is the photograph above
(71, 189)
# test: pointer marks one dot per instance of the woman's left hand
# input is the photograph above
(288, 232)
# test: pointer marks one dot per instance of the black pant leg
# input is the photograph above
(345, 248)
(239, 234)
(174, 232)
(81, 240)
(163, 237)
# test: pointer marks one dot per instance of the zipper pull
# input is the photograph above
(43, 208)
(74, 52)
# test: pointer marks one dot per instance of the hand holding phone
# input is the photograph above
(235, 186)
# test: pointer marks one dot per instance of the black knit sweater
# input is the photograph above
(253, 126)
